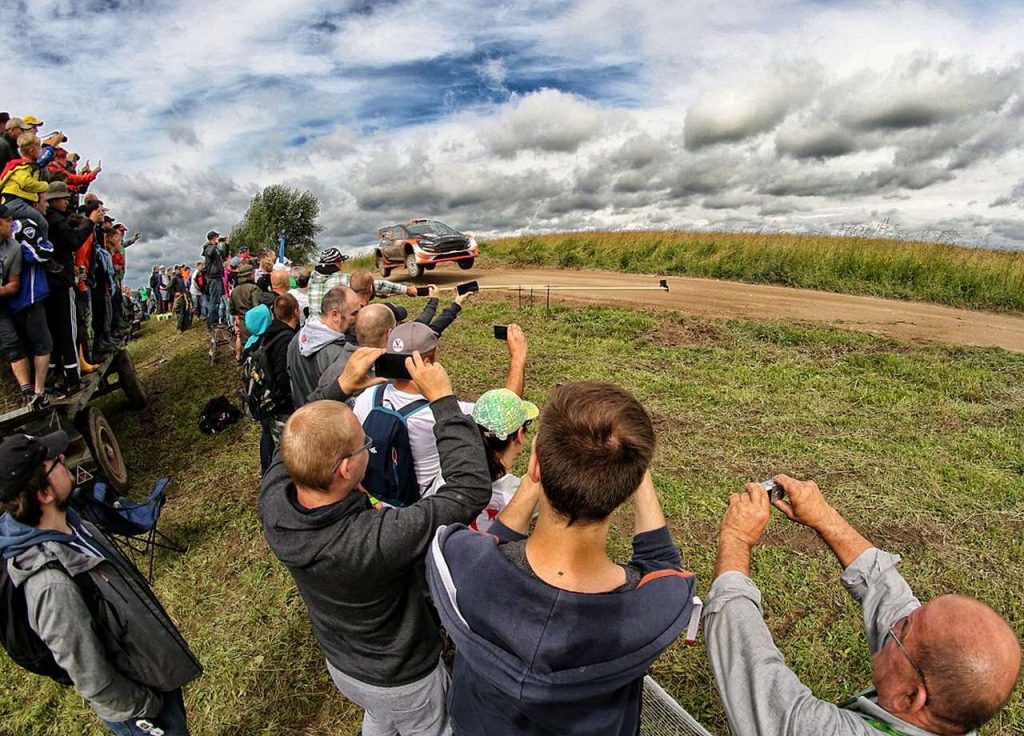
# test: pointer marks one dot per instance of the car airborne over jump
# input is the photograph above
(421, 244)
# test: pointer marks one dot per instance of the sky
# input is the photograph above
(533, 116)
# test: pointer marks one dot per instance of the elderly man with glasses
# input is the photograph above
(359, 568)
(945, 667)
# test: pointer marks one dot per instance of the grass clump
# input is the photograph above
(975, 278)
(919, 447)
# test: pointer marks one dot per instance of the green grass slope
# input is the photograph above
(964, 277)
(920, 447)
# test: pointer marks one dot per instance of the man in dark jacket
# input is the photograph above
(214, 251)
(321, 341)
(356, 565)
(276, 340)
(68, 232)
(551, 636)
(121, 651)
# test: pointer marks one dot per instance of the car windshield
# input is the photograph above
(430, 227)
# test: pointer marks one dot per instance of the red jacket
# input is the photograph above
(73, 180)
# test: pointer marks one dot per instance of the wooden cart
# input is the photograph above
(93, 449)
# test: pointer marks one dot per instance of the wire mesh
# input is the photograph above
(661, 715)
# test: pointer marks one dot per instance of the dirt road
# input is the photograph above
(909, 321)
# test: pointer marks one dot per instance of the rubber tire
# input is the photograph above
(466, 264)
(128, 377)
(105, 450)
(430, 266)
(384, 270)
(415, 270)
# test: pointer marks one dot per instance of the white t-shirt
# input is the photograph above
(502, 491)
(421, 429)
(302, 297)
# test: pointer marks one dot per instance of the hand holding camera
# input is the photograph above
(431, 378)
(356, 376)
(517, 345)
(804, 502)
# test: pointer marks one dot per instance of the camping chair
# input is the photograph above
(130, 525)
(661, 715)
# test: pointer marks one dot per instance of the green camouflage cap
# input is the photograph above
(501, 412)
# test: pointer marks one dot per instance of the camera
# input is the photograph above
(774, 490)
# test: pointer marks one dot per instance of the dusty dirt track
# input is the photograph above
(910, 321)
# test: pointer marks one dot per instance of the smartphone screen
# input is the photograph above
(391, 365)
(501, 332)
(422, 291)
(467, 287)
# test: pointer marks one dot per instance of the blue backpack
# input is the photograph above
(391, 475)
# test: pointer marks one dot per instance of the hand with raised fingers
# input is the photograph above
(430, 378)
(804, 502)
(356, 376)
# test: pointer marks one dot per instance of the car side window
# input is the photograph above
(399, 233)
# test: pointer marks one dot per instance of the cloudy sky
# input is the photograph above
(536, 116)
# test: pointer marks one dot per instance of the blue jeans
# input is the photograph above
(215, 293)
(171, 719)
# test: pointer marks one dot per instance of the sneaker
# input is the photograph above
(39, 401)
(27, 395)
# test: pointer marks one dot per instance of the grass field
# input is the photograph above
(976, 278)
(920, 447)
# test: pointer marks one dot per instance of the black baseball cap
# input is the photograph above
(212, 234)
(5, 213)
(21, 455)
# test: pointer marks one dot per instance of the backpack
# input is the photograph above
(217, 415)
(20, 641)
(390, 474)
(260, 399)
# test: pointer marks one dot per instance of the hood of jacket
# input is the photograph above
(32, 548)
(315, 335)
(298, 538)
(539, 644)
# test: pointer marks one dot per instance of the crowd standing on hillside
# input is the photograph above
(394, 506)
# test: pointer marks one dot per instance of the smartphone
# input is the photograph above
(501, 332)
(775, 491)
(391, 365)
(467, 287)
(422, 291)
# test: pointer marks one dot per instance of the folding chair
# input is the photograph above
(130, 525)
(661, 715)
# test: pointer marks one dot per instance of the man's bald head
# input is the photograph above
(279, 281)
(313, 439)
(373, 324)
(970, 657)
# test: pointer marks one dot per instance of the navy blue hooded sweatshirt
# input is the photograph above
(534, 659)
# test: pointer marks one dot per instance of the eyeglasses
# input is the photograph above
(902, 623)
(367, 445)
(58, 461)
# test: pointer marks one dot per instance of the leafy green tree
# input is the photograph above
(275, 211)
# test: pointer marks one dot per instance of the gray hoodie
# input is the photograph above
(122, 657)
(310, 352)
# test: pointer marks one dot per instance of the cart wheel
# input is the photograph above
(106, 451)
(129, 379)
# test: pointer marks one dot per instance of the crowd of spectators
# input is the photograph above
(63, 303)
(395, 508)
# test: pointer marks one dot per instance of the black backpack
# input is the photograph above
(260, 399)
(390, 474)
(19, 640)
(218, 415)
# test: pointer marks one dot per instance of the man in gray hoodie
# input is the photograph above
(357, 567)
(321, 341)
(942, 668)
(108, 634)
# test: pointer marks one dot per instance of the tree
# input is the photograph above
(280, 210)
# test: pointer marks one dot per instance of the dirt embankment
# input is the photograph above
(909, 321)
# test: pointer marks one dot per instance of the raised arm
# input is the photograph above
(515, 380)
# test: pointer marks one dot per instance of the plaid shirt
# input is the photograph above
(320, 285)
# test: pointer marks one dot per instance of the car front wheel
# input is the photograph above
(466, 264)
(415, 270)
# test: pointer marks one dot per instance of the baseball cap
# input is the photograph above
(17, 123)
(21, 454)
(212, 234)
(331, 255)
(31, 120)
(5, 214)
(412, 337)
(501, 412)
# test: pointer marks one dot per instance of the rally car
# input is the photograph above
(420, 245)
